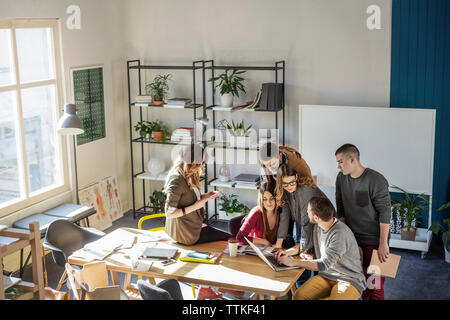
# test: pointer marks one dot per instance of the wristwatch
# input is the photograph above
(184, 211)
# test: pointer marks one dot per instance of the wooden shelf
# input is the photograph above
(32, 238)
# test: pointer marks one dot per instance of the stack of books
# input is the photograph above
(143, 100)
(201, 256)
(178, 103)
(247, 180)
(182, 134)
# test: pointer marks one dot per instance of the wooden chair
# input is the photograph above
(153, 216)
(91, 283)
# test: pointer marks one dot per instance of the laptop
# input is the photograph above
(270, 259)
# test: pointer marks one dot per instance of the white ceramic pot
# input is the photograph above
(226, 100)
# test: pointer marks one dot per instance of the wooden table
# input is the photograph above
(243, 272)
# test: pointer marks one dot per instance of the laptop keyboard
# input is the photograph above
(274, 261)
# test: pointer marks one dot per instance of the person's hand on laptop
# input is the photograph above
(286, 260)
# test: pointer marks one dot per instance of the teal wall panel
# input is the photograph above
(420, 76)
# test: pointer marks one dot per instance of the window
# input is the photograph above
(31, 160)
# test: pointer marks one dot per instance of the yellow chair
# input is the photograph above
(153, 216)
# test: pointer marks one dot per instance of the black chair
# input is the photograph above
(63, 238)
(168, 289)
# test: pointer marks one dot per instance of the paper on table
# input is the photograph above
(153, 236)
(384, 269)
(136, 263)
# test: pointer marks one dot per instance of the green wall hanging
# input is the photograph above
(89, 100)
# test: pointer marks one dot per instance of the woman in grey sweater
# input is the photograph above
(293, 194)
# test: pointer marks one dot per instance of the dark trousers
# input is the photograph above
(210, 234)
(376, 293)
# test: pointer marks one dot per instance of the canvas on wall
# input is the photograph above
(104, 197)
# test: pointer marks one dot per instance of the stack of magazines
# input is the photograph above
(182, 134)
(178, 103)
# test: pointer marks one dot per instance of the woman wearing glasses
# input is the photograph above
(293, 194)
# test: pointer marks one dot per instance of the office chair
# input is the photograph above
(168, 289)
(63, 238)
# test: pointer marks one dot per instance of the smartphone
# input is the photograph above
(168, 261)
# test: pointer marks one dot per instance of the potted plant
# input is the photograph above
(143, 128)
(158, 201)
(446, 234)
(240, 135)
(160, 130)
(231, 207)
(158, 88)
(230, 85)
(410, 209)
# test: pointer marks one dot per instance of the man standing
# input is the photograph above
(363, 203)
(337, 260)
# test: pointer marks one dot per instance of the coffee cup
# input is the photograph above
(232, 247)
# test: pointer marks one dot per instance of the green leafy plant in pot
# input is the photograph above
(229, 85)
(445, 234)
(161, 131)
(410, 208)
(158, 201)
(239, 133)
(158, 88)
(231, 205)
(143, 128)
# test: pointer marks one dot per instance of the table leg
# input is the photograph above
(151, 280)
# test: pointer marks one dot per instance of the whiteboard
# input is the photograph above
(397, 142)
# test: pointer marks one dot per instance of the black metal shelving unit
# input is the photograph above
(136, 66)
(279, 66)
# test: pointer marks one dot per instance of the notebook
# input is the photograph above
(385, 269)
(213, 257)
(159, 253)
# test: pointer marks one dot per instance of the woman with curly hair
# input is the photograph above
(292, 194)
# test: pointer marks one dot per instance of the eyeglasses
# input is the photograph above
(293, 183)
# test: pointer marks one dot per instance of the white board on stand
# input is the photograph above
(397, 142)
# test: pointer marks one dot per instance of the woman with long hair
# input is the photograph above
(184, 206)
(261, 224)
(292, 194)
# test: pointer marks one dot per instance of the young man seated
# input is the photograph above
(337, 258)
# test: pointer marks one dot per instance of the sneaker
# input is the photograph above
(208, 293)
(235, 293)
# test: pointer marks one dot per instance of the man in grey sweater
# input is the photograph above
(337, 259)
(363, 203)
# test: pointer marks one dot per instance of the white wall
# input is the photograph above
(331, 57)
(99, 41)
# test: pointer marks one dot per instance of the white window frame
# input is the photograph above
(31, 198)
